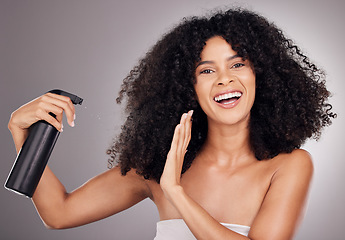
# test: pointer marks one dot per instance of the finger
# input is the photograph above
(174, 142)
(63, 102)
(62, 98)
(188, 129)
(180, 147)
(48, 107)
(67, 105)
(42, 114)
(57, 111)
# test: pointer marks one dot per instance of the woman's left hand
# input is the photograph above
(174, 162)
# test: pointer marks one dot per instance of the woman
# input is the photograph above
(252, 98)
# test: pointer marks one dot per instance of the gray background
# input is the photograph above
(87, 48)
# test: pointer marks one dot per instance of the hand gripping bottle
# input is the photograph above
(33, 157)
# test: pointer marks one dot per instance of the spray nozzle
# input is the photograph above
(75, 99)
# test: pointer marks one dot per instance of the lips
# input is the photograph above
(228, 99)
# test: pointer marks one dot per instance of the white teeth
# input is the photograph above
(227, 96)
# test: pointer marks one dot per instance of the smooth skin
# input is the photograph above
(225, 183)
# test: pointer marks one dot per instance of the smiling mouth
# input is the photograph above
(228, 98)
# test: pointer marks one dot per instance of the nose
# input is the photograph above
(224, 79)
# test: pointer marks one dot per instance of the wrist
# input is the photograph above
(15, 128)
(18, 134)
(15, 123)
(11, 126)
(173, 192)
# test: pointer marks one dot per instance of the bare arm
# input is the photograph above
(281, 209)
(100, 197)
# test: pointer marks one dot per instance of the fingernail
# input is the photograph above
(61, 130)
(185, 116)
(74, 117)
(190, 113)
(72, 124)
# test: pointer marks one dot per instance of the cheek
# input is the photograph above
(199, 91)
(252, 90)
(202, 94)
(248, 82)
(196, 91)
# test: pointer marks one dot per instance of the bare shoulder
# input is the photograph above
(297, 164)
(299, 155)
(298, 158)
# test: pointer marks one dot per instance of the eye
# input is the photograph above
(238, 65)
(206, 71)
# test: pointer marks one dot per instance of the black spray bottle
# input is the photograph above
(33, 157)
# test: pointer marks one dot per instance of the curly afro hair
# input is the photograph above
(290, 104)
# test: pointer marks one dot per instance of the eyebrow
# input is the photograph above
(211, 62)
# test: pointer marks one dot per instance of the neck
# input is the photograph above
(227, 145)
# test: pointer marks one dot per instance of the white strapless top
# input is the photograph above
(176, 229)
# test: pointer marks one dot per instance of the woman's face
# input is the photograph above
(225, 83)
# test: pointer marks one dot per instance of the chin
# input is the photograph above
(232, 119)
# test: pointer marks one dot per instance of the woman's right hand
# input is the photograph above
(39, 109)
